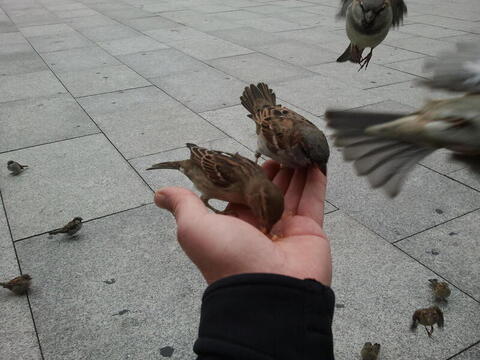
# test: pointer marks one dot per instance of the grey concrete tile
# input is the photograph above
(349, 75)
(208, 47)
(380, 287)
(305, 19)
(471, 354)
(258, 67)
(76, 13)
(126, 319)
(61, 6)
(24, 86)
(33, 16)
(414, 66)
(21, 63)
(109, 32)
(443, 162)
(150, 23)
(161, 62)
(247, 36)
(101, 80)
(16, 49)
(239, 15)
(71, 40)
(157, 118)
(317, 35)
(463, 38)
(128, 13)
(298, 53)
(202, 90)
(78, 59)
(84, 177)
(45, 30)
(467, 176)
(449, 250)
(19, 340)
(429, 31)
(131, 45)
(89, 21)
(449, 22)
(12, 39)
(199, 20)
(6, 26)
(175, 33)
(423, 45)
(270, 24)
(60, 118)
(163, 178)
(316, 93)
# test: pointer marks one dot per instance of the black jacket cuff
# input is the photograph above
(266, 316)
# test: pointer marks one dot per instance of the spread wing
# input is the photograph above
(457, 70)
(399, 9)
(344, 4)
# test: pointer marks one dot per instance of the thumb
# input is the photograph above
(181, 202)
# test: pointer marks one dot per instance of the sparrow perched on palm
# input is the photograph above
(427, 317)
(70, 228)
(369, 351)
(441, 290)
(284, 135)
(368, 23)
(15, 168)
(18, 285)
(232, 178)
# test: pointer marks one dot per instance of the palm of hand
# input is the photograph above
(222, 245)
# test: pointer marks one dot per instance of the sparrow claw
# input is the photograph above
(366, 60)
(257, 156)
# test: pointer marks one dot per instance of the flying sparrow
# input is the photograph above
(282, 134)
(369, 351)
(232, 178)
(18, 285)
(367, 24)
(70, 228)
(427, 317)
(15, 167)
(440, 290)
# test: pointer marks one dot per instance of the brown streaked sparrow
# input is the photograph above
(441, 290)
(18, 285)
(428, 317)
(70, 228)
(369, 351)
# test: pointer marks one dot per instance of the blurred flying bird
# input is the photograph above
(369, 351)
(441, 291)
(18, 285)
(15, 167)
(428, 317)
(282, 134)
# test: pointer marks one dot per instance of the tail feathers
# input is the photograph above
(255, 98)
(54, 232)
(23, 166)
(349, 120)
(166, 165)
(346, 56)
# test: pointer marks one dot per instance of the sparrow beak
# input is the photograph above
(369, 18)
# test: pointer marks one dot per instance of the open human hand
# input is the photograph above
(224, 245)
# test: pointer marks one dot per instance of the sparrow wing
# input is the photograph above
(439, 313)
(344, 4)
(457, 70)
(399, 9)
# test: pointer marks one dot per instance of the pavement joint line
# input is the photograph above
(462, 351)
(394, 83)
(448, 177)
(115, 91)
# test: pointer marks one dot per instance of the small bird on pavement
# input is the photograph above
(15, 168)
(282, 134)
(428, 317)
(70, 228)
(368, 23)
(18, 285)
(369, 351)
(441, 291)
(232, 178)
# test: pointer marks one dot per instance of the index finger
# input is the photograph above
(313, 197)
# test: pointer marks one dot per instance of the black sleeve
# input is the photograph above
(266, 316)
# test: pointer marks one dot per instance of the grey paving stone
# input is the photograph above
(298, 53)
(92, 319)
(414, 66)
(471, 354)
(127, 13)
(78, 59)
(84, 177)
(317, 36)
(467, 176)
(199, 20)
(202, 90)
(449, 22)
(18, 334)
(380, 288)
(59, 117)
(175, 33)
(208, 47)
(33, 16)
(270, 24)
(90, 21)
(71, 40)
(151, 23)
(349, 75)
(24, 86)
(161, 62)
(258, 67)
(145, 121)
(45, 30)
(76, 13)
(429, 31)
(11, 39)
(443, 162)
(449, 250)
(247, 36)
(109, 32)
(132, 45)
(423, 45)
(21, 62)
(101, 80)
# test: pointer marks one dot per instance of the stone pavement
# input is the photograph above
(94, 91)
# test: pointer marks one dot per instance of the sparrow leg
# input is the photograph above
(205, 201)
(366, 60)
(257, 156)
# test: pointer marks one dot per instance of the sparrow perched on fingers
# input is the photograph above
(18, 285)
(70, 228)
(427, 317)
(15, 167)
(232, 178)
(440, 290)
(367, 24)
(282, 134)
(369, 351)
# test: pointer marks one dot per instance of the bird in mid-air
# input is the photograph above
(282, 134)
(369, 351)
(15, 168)
(71, 228)
(233, 178)
(440, 289)
(18, 285)
(384, 147)
(427, 317)
(368, 23)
